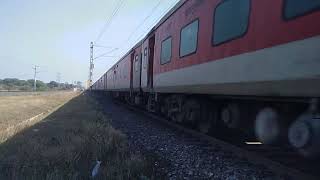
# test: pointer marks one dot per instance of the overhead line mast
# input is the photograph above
(91, 66)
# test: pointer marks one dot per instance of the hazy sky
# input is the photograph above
(55, 35)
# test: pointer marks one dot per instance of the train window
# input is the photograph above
(236, 13)
(166, 51)
(296, 8)
(189, 38)
(136, 63)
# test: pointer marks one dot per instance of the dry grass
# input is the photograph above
(66, 145)
(19, 112)
(14, 109)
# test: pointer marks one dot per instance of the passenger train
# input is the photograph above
(249, 65)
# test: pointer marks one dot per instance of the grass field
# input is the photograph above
(67, 143)
(16, 111)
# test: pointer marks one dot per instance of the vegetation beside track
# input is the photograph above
(13, 84)
(18, 112)
(67, 144)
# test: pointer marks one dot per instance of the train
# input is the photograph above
(248, 65)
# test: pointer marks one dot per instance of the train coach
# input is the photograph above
(250, 65)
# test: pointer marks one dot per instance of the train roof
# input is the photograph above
(168, 15)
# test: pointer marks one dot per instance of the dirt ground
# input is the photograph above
(67, 144)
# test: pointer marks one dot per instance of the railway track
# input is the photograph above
(282, 161)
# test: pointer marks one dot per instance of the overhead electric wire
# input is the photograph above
(109, 20)
(147, 29)
(134, 31)
(154, 23)
(100, 46)
(144, 20)
(108, 57)
(104, 54)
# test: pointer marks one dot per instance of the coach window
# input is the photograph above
(236, 13)
(189, 38)
(136, 63)
(166, 51)
(296, 8)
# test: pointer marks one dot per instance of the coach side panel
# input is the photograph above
(123, 70)
(271, 52)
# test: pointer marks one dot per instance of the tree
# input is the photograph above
(27, 85)
(53, 85)
(79, 84)
(41, 86)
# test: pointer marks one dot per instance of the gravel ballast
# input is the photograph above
(180, 155)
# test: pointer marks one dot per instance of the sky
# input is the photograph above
(56, 35)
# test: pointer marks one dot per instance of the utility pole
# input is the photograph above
(91, 66)
(58, 79)
(35, 77)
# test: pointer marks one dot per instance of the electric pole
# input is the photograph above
(58, 79)
(35, 77)
(91, 66)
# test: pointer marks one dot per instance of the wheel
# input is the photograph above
(208, 118)
(304, 135)
(164, 107)
(150, 105)
(267, 126)
(192, 112)
(230, 116)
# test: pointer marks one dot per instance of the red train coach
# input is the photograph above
(119, 77)
(251, 65)
(100, 84)
(251, 53)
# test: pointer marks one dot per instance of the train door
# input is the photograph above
(140, 69)
(105, 81)
(131, 70)
(150, 61)
(114, 76)
(144, 68)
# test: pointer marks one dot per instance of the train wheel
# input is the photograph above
(267, 126)
(192, 112)
(164, 108)
(304, 135)
(208, 118)
(230, 116)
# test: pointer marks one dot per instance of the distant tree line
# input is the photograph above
(13, 84)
